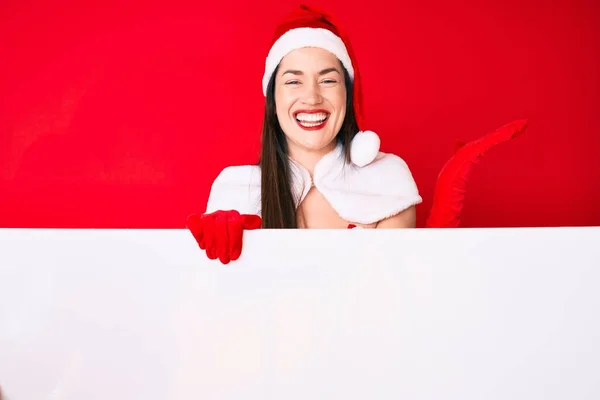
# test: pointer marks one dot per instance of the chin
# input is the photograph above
(319, 146)
(317, 140)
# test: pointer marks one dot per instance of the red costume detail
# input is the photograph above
(451, 186)
(220, 233)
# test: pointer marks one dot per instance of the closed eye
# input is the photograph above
(292, 82)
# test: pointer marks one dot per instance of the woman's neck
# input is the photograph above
(309, 158)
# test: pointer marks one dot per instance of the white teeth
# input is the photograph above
(318, 117)
(309, 124)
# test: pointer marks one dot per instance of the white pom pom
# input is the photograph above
(364, 148)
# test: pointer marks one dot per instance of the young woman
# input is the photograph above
(319, 168)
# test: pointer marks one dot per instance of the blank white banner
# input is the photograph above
(305, 314)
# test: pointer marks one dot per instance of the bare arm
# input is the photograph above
(405, 219)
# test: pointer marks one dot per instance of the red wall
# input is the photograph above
(122, 116)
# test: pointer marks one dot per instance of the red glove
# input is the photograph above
(451, 186)
(220, 233)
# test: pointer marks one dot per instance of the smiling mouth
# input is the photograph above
(312, 120)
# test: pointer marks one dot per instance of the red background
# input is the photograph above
(121, 115)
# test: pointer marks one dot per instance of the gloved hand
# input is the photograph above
(451, 186)
(220, 233)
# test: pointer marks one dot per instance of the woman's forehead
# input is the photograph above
(309, 58)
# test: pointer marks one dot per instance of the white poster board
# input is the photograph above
(349, 314)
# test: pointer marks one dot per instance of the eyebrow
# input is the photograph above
(322, 72)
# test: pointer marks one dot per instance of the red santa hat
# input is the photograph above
(308, 27)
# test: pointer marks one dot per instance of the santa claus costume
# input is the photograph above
(372, 187)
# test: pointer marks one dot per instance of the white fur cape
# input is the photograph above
(362, 195)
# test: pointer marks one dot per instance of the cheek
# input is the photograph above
(339, 99)
(282, 103)
(340, 104)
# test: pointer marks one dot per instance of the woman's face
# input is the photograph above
(310, 98)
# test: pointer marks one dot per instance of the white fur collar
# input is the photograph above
(362, 195)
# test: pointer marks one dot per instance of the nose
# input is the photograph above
(312, 96)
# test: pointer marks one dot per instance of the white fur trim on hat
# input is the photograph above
(364, 148)
(305, 37)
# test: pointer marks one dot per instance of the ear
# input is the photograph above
(451, 186)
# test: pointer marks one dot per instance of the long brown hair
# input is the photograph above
(278, 206)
